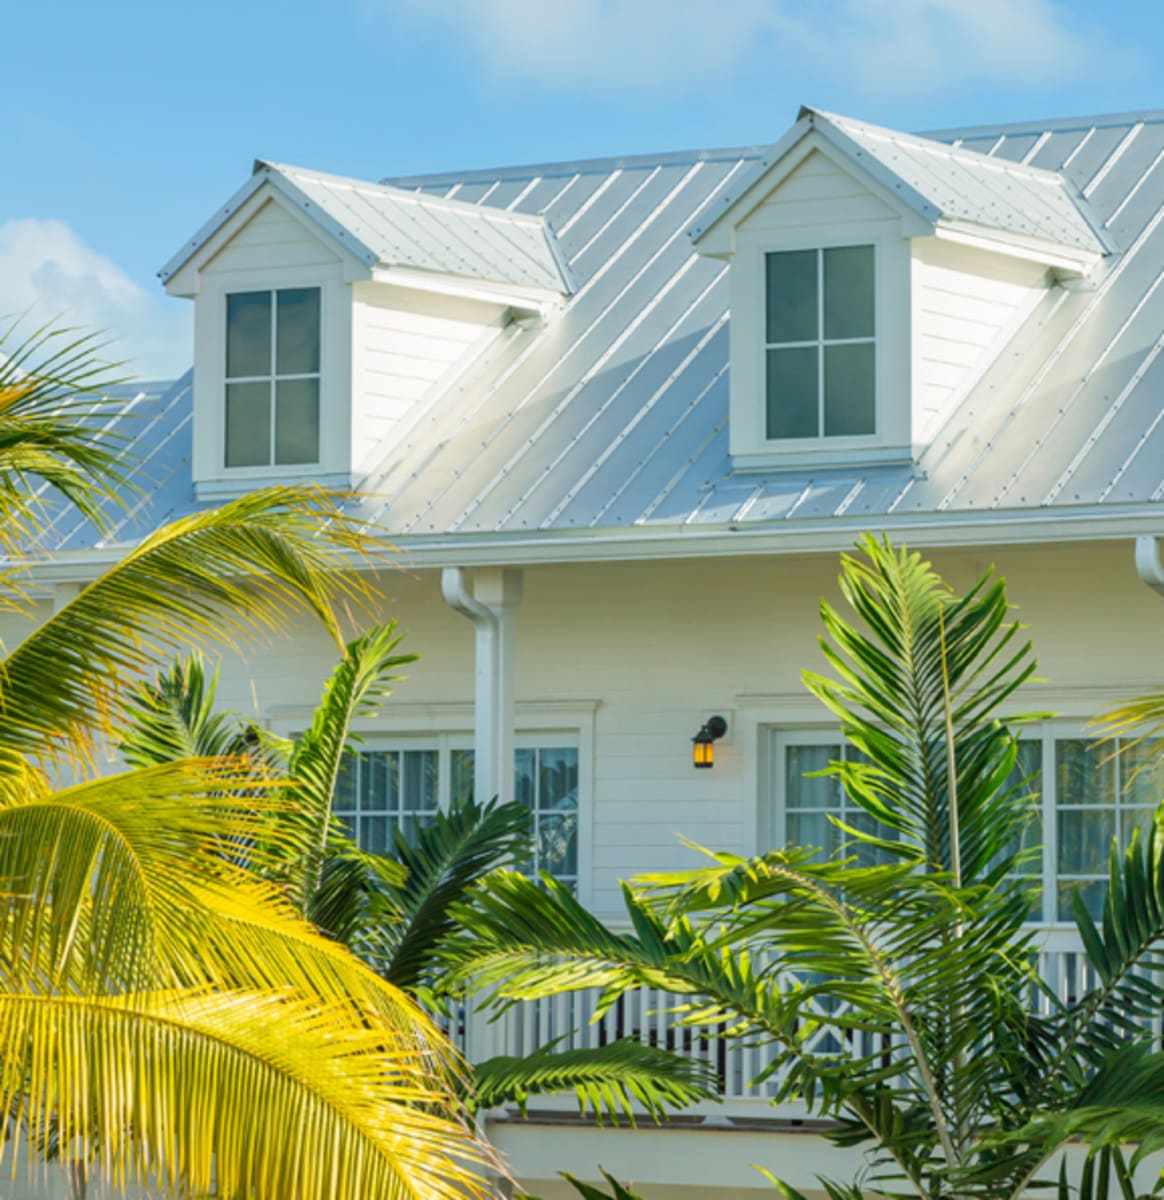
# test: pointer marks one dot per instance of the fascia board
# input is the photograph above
(526, 299)
(706, 222)
(207, 231)
(177, 274)
(1094, 523)
(1066, 259)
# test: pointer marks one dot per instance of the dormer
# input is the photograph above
(873, 277)
(330, 314)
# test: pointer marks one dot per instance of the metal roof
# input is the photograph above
(944, 183)
(391, 227)
(612, 418)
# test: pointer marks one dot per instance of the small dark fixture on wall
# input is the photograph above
(703, 743)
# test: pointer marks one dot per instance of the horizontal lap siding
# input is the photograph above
(272, 238)
(818, 193)
(966, 306)
(654, 649)
(406, 343)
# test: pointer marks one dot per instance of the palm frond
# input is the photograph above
(219, 575)
(174, 717)
(361, 681)
(54, 430)
(442, 867)
(260, 1094)
(608, 1080)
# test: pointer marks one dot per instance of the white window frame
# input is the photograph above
(772, 801)
(820, 343)
(272, 380)
(751, 448)
(448, 726)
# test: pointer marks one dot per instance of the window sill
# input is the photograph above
(233, 486)
(816, 455)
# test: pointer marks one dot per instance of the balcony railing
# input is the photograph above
(649, 1015)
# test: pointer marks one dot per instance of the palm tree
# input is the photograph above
(397, 912)
(166, 1015)
(949, 1059)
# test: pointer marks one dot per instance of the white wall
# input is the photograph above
(967, 304)
(653, 649)
(407, 344)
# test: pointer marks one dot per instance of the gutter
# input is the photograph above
(489, 598)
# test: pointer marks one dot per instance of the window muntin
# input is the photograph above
(1083, 793)
(819, 343)
(381, 790)
(272, 378)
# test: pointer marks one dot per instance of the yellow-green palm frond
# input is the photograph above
(254, 1094)
(217, 576)
(147, 880)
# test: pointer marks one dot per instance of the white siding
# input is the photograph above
(408, 345)
(272, 238)
(817, 193)
(966, 306)
(652, 650)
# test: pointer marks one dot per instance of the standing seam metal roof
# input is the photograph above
(614, 414)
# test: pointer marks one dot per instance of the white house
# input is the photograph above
(619, 417)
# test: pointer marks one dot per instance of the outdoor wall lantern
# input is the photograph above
(703, 743)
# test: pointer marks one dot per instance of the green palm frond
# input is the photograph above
(252, 1093)
(174, 717)
(54, 418)
(608, 1080)
(361, 681)
(219, 575)
(442, 867)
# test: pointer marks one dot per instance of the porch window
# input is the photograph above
(383, 789)
(1082, 794)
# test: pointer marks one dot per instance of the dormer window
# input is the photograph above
(819, 343)
(272, 378)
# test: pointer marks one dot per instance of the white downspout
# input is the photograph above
(492, 607)
(1148, 565)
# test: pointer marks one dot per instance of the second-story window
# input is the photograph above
(272, 378)
(820, 343)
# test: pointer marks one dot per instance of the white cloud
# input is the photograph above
(50, 274)
(882, 46)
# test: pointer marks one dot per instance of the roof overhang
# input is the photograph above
(712, 233)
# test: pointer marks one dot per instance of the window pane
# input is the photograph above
(848, 292)
(1141, 773)
(1093, 893)
(793, 393)
(379, 782)
(523, 777)
(557, 848)
(419, 791)
(813, 829)
(375, 835)
(1132, 819)
(461, 763)
(297, 421)
(248, 424)
(849, 394)
(558, 779)
(791, 296)
(248, 334)
(344, 800)
(811, 793)
(1084, 773)
(297, 331)
(1085, 836)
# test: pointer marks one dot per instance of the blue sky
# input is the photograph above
(128, 123)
